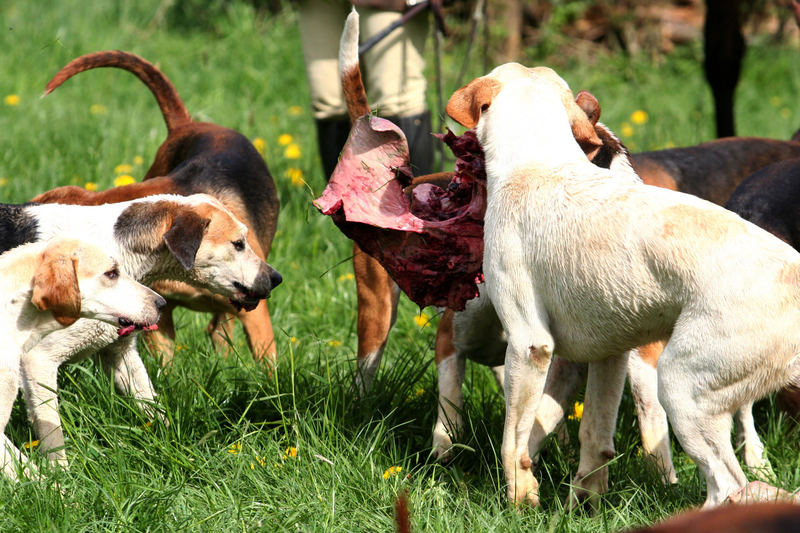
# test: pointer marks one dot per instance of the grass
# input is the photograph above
(222, 463)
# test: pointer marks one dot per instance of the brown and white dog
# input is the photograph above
(587, 265)
(196, 157)
(191, 239)
(47, 286)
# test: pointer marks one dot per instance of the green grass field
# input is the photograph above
(293, 449)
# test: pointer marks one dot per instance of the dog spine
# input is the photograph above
(171, 105)
(354, 93)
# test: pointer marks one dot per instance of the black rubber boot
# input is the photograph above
(331, 136)
(420, 141)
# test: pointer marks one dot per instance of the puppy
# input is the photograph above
(191, 239)
(196, 157)
(589, 266)
(47, 286)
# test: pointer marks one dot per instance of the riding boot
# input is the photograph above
(331, 135)
(420, 141)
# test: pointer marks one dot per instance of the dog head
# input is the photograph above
(206, 246)
(514, 100)
(74, 279)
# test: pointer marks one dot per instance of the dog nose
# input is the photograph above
(160, 302)
(275, 278)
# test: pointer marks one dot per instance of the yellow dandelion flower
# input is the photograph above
(252, 466)
(11, 100)
(669, 144)
(420, 392)
(285, 139)
(90, 186)
(786, 112)
(775, 101)
(638, 451)
(422, 320)
(346, 277)
(295, 110)
(125, 179)
(235, 448)
(123, 168)
(626, 130)
(98, 109)
(3, 182)
(295, 175)
(30, 445)
(639, 116)
(334, 343)
(260, 145)
(138, 160)
(392, 471)
(294, 340)
(291, 451)
(292, 152)
(577, 411)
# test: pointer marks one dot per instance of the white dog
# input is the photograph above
(46, 286)
(590, 267)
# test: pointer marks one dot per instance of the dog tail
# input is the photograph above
(171, 105)
(354, 93)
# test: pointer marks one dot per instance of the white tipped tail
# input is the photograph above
(349, 70)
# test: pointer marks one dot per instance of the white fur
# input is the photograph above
(22, 325)
(589, 266)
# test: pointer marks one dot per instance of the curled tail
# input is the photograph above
(354, 93)
(171, 105)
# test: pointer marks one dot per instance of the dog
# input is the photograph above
(587, 265)
(196, 157)
(47, 286)
(191, 239)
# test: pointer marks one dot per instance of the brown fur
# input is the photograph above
(196, 157)
(756, 518)
(55, 287)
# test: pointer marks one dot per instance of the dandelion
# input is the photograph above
(392, 471)
(346, 277)
(291, 451)
(420, 392)
(422, 320)
(295, 175)
(138, 160)
(639, 116)
(285, 139)
(626, 130)
(260, 145)
(577, 413)
(786, 112)
(669, 144)
(123, 168)
(334, 343)
(125, 179)
(11, 100)
(235, 448)
(90, 186)
(295, 110)
(98, 109)
(30, 445)
(260, 460)
(3, 182)
(292, 152)
(294, 340)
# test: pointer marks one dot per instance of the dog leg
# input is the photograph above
(10, 455)
(527, 361)
(121, 361)
(748, 439)
(653, 424)
(603, 394)
(257, 326)
(220, 332)
(39, 387)
(450, 370)
(161, 342)
(563, 380)
(704, 435)
(377, 310)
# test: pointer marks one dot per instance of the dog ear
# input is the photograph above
(583, 114)
(55, 287)
(184, 236)
(467, 103)
(589, 104)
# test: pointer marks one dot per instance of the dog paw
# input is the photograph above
(524, 489)
(759, 491)
(587, 488)
(442, 445)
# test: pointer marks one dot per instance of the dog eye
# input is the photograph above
(239, 245)
(112, 274)
(484, 107)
